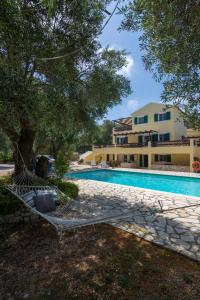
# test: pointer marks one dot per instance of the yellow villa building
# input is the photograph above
(153, 137)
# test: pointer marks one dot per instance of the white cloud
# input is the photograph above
(132, 104)
(127, 70)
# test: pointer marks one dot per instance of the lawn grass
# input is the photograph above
(100, 262)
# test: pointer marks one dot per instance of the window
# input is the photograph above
(162, 116)
(143, 139)
(164, 137)
(141, 120)
(154, 137)
(107, 157)
(122, 140)
(164, 158)
(132, 157)
(125, 158)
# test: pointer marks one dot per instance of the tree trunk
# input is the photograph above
(24, 148)
(56, 147)
(42, 167)
(53, 149)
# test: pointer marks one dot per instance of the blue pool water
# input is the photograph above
(166, 183)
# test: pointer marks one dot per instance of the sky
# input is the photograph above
(144, 86)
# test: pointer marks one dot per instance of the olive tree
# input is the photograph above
(53, 71)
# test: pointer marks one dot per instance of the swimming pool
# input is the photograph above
(167, 183)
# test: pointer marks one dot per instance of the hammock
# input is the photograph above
(27, 185)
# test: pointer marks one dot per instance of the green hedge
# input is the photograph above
(68, 188)
(9, 204)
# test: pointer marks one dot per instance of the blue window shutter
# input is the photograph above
(169, 158)
(167, 137)
(140, 139)
(135, 121)
(154, 138)
(155, 117)
(168, 115)
(145, 119)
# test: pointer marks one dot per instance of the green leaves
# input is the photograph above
(52, 73)
(170, 41)
(61, 164)
(51, 6)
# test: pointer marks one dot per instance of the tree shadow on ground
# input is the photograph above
(94, 262)
(175, 226)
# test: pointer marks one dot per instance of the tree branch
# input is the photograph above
(56, 57)
(9, 131)
(106, 23)
(77, 50)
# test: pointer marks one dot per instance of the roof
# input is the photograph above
(124, 121)
(148, 104)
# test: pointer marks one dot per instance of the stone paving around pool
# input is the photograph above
(138, 211)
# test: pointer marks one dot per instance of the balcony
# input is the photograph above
(132, 145)
(123, 128)
(178, 143)
(185, 142)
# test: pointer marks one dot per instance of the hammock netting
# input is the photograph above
(26, 185)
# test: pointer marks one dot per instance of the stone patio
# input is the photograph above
(138, 211)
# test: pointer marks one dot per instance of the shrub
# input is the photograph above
(53, 181)
(9, 204)
(68, 188)
(4, 158)
(5, 180)
(61, 164)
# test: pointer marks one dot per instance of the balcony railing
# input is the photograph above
(122, 128)
(103, 146)
(171, 143)
(185, 142)
(132, 145)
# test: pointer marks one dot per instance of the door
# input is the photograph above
(144, 161)
(140, 139)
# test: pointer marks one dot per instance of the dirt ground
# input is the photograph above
(99, 262)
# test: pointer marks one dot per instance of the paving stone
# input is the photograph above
(170, 229)
(159, 242)
(149, 237)
(175, 236)
(180, 230)
(140, 220)
(187, 238)
(180, 242)
(195, 248)
(175, 229)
